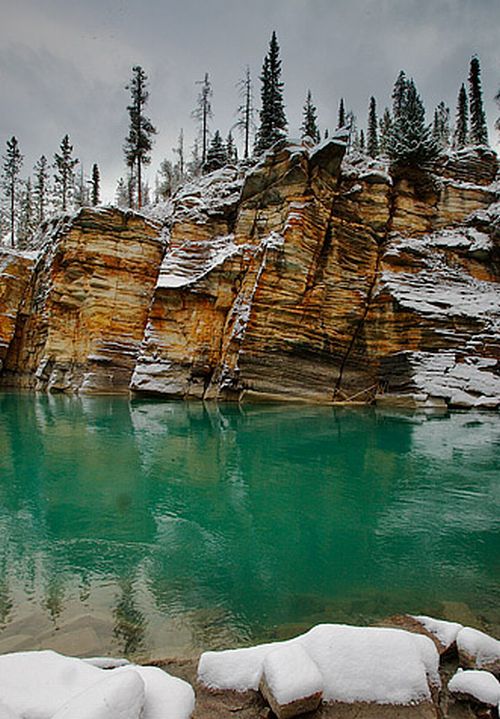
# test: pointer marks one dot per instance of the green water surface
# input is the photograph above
(154, 528)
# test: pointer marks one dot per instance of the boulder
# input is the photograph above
(116, 696)
(475, 685)
(477, 650)
(291, 682)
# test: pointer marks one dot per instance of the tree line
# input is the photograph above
(399, 134)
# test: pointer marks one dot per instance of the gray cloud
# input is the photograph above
(64, 64)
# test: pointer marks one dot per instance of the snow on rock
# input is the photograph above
(191, 261)
(479, 685)
(37, 684)
(166, 697)
(106, 662)
(478, 650)
(116, 696)
(291, 682)
(357, 664)
(445, 632)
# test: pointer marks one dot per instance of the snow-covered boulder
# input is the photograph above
(445, 633)
(291, 682)
(477, 650)
(116, 696)
(357, 664)
(167, 697)
(475, 685)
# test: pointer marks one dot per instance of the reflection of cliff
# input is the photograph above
(311, 276)
(218, 516)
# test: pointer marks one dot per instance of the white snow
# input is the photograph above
(445, 632)
(43, 685)
(483, 686)
(190, 262)
(116, 696)
(387, 666)
(106, 662)
(291, 674)
(477, 644)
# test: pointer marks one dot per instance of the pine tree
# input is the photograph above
(121, 194)
(478, 127)
(497, 121)
(81, 194)
(398, 93)
(441, 126)
(350, 123)
(64, 176)
(372, 139)
(216, 155)
(231, 151)
(410, 141)
(139, 141)
(461, 133)
(41, 188)
(273, 122)
(203, 113)
(12, 164)
(27, 220)
(310, 123)
(246, 111)
(179, 151)
(341, 119)
(385, 124)
(95, 181)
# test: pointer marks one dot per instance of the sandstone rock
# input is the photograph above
(477, 650)
(15, 274)
(291, 682)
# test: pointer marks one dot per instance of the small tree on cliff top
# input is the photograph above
(310, 123)
(139, 141)
(273, 122)
(64, 176)
(478, 127)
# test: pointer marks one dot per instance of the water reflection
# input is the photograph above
(150, 527)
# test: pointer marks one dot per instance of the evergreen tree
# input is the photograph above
(95, 181)
(81, 195)
(497, 121)
(203, 113)
(246, 111)
(372, 139)
(231, 151)
(461, 133)
(441, 126)
(139, 141)
(398, 93)
(121, 194)
(273, 122)
(169, 179)
(194, 166)
(64, 176)
(384, 128)
(27, 220)
(478, 127)
(216, 155)
(41, 188)
(310, 123)
(410, 141)
(341, 120)
(12, 164)
(354, 138)
(179, 151)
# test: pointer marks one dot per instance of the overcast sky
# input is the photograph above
(64, 64)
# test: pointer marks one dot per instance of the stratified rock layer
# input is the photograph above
(83, 317)
(309, 277)
(15, 274)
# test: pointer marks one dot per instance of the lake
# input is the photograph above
(154, 529)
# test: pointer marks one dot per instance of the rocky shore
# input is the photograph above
(409, 666)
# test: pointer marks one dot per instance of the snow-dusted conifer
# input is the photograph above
(273, 121)
(341, 117)
(203, 113)
(12, 164)
(179, 151)
(95, 182)
(478, 126)
(385, 123)
(441, 126)
(410, 140)
(216, 155)
(461, 133)
(121, 194)
(497, 121)
(309, 126)
(231, 150)
(139, 141)
(372, 135)
(398, 93)
(27, 219)
(41, 188)
(64, 176)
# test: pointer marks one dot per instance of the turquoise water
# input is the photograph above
(153, 528)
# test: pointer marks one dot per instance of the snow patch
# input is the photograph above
(481, 646)
(445, 632)
(483, 686)
(114, 697)
(291, 674)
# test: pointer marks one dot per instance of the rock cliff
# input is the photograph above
(310, 276)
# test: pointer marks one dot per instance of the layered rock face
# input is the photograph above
(15, 274)
(308, 277)
(82, 318)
